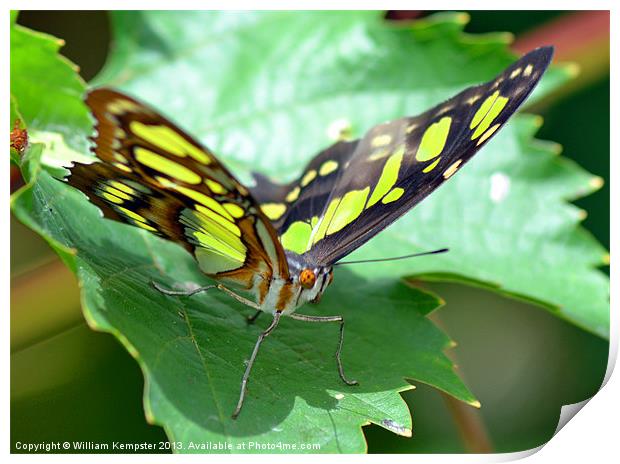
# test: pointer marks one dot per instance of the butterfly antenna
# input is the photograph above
(378, 260)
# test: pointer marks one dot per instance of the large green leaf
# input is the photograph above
(262, 89)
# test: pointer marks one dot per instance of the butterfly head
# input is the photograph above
(312, 280)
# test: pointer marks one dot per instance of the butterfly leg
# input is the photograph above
(165, 291)
(339, 319)
(248, 368)
(239, 298)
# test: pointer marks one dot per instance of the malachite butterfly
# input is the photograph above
(277, 244)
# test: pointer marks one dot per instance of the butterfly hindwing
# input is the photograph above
(153, 175)
(397, 164)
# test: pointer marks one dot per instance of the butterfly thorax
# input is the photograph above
(306, 283)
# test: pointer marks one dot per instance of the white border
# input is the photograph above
(592, 434)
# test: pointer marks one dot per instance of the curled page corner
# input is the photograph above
(567, 412)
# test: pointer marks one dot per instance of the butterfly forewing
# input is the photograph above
(154, 176)
(380, 177)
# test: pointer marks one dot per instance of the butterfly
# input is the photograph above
(273, 248)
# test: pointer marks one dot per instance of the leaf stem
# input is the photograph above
(467, 419)
(471, 428)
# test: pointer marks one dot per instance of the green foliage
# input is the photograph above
(46, 87)
(265, 100)
(14, 113)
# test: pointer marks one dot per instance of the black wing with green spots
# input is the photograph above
(353, 190)
(307, 196)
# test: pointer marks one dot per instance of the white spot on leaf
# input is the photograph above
(340, 129)
(396, 428)
(500, 186)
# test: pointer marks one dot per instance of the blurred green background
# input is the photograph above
(70, 383)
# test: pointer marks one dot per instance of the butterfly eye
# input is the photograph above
(307, 278)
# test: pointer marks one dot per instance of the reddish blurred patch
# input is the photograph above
(404, 15)
(581, 38)
(571, 34)
(19, 137)
(19, 141)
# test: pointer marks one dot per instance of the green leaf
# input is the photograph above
(26, 208)
(47, 88)
(14, 114)
(262, 89)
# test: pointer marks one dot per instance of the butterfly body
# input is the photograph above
(279, 243)
(287, 295)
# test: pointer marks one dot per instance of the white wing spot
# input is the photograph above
(411, 128)
(443, 110)
(473, 99)
(497, 82)
(381, 140)
(452, 169)
(500, 187)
